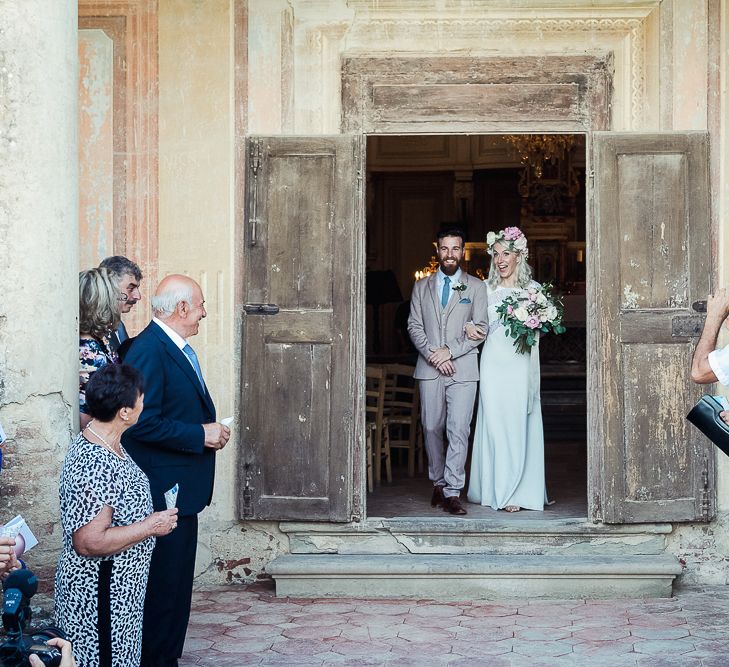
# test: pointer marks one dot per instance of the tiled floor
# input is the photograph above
(237, 626)
(566, 473)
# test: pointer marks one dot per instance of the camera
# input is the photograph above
(16, 649)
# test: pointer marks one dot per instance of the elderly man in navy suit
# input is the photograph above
(174, 442)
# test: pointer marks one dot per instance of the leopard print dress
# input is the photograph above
(93, 477)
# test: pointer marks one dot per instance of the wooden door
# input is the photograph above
(302, 330)
(651, 259)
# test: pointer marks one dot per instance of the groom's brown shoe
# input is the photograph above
(438, 498)
(453, 505)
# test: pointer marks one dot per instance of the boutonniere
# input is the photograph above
(459, 287)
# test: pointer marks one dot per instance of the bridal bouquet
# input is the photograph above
(528, 312)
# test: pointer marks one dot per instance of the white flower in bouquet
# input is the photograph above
(541, 299)
(521, 313)
(551, 312)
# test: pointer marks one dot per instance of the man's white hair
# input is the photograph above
(163, 305)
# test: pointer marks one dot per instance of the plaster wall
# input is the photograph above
(38, 262)
(663, 59)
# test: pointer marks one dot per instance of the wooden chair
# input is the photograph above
(378, 449)
(401, 414)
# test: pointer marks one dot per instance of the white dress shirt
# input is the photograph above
(440, 280)
(175, 338)
(719, 362)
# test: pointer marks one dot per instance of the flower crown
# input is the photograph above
(511, 237)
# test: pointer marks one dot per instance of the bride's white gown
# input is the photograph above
(507, 466)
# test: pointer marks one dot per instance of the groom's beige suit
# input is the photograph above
(446, 403)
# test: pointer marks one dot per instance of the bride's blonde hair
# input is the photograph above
(513, 240)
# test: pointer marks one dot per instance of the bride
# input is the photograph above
(507, 466)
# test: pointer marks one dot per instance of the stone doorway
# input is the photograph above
(416, 183)
(479, 95)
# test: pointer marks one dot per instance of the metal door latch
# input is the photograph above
(261, 308)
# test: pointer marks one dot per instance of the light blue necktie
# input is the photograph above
(446, 292)
(195, 363)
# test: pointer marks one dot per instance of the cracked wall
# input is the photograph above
(38, 262)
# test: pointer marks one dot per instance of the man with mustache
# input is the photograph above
(447, 367)
(127, 276)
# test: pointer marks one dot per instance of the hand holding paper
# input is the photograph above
(171, 497)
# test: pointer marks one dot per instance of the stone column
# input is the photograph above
(38, 262)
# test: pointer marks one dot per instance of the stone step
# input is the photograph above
(475, 576)
(471, 536)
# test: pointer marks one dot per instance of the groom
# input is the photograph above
(447, 368)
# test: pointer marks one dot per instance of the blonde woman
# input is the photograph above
(507, 466)
(98, 317)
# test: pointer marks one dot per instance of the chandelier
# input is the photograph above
(537, 149)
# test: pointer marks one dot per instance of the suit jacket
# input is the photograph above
(118, 337)
(167, 442)
(431, 325)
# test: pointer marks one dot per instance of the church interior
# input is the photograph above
(483, 183)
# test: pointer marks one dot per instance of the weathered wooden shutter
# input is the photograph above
(301, 327)
(650, 239)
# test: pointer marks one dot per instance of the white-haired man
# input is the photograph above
(174, 443)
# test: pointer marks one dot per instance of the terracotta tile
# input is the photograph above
(215, 618)
(197, 644)
(215, 659)
(268, 618)
(546, 622)
(541, 634)
(358, 618)
(658, 620)
(323, 632)
(603, 633)
(318, 619)
(479, 611)
(301, 647)
(594, 648)
(436, 610)
(255, 631)
(226, 644)
(490, 622)
(677, 632)
(383, 609)
(669, 647)
(328, 607)
(490, 635)
(415, 634)
(361, 648)
(478, 649)
(541, 649)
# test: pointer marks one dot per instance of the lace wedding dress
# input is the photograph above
(507, 466)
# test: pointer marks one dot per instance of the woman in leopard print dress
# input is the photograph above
(109, 528)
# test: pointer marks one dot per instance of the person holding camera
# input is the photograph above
(109, 527)
(64, 646)
(710, 364)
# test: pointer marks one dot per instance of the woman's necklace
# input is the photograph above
(104, 443)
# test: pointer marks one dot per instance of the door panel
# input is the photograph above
(300, 389)
(652, 258)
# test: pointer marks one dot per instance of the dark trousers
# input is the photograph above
(169, 593)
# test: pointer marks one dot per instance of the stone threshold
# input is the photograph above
(466, 577)
(486, 536)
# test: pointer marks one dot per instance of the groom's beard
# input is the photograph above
(449, 269)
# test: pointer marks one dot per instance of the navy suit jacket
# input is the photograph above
(167, 442)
